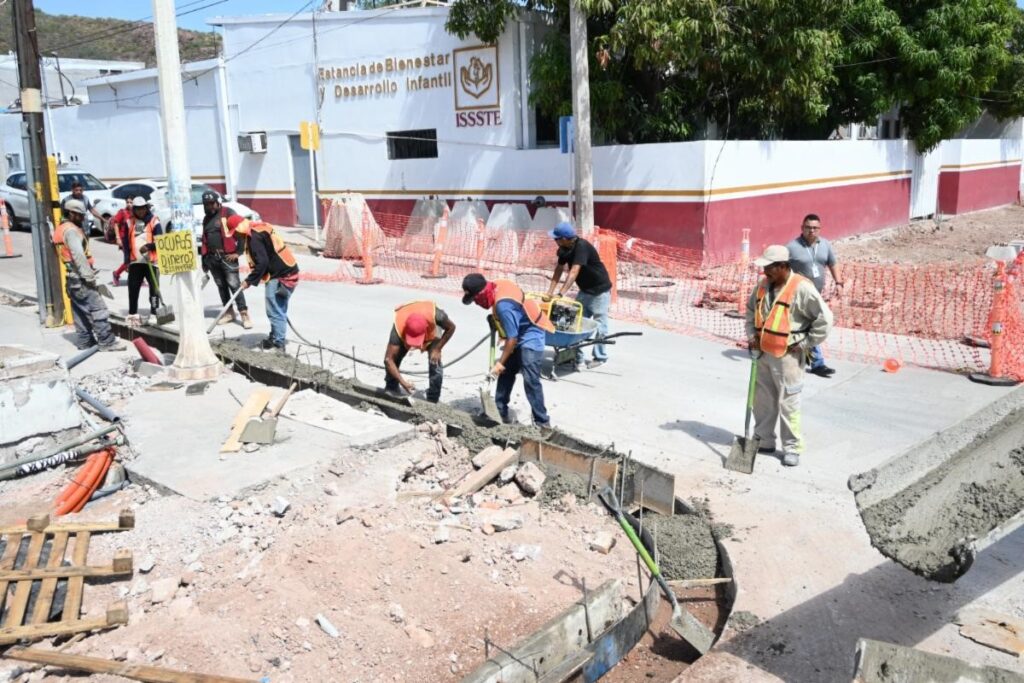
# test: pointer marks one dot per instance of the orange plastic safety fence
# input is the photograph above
(921, 315)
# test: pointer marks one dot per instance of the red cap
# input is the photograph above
(235, 221)
(415, 330)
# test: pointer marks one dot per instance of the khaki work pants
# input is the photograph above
(777, 400)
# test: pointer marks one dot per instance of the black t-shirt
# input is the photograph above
(440, 318)
(212, 229)
(593, 277)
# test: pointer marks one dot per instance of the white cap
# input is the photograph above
(776, 253)
(74, 206)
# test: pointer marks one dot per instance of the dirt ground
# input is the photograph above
(953, 238)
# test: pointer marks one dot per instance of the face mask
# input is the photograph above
(485, 299)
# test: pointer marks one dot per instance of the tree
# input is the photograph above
(775, 68)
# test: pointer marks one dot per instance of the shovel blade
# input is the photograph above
(692, 631)
(259, 430)
(164, 315)
(742, 455)
(489, 406)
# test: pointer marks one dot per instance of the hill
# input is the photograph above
(117, 39)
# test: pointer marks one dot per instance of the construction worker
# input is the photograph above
(92, 319)
(415, 327)
(220, 251)
(78, 193)
(271, 262)
(786, 316)
(119, 226)
(809, 255)
(522, 324)
(140, 250)
(588, 272)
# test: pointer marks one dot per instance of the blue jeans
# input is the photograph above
(817, 358)
(277, 310)
(596, 306)
(525, 362)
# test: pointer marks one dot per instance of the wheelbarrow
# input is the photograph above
(565, 343)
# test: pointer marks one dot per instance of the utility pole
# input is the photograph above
(41, 201)
(581, 117)
(195, 359)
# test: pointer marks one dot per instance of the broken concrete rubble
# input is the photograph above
(530, 478)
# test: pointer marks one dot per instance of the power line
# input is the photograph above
(132, 25)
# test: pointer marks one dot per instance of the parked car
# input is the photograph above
(155, 191)
(14, 193)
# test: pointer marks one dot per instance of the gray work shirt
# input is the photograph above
(81, 270)
(811, 261)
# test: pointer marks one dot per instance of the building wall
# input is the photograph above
(977, 174)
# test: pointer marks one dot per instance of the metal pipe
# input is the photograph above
(102, 408)
(7, 470)
(83, 356)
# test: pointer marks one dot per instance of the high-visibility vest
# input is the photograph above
(62, 247)
(508, 290)
(147, 236)
(280, 248)
(227, 233)
(425, 308)
(774, 330)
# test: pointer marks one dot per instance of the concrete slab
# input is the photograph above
(178, 439)
(36, 396)
(357, 428)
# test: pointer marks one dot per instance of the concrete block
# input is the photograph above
(530, 478)
(602, 543)
(508, 474)
(36, 395)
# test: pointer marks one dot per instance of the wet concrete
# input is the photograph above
(879, 662)
(686, 548)
(929, 526)
(559, 483)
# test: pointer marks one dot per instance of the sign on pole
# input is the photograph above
(175, 252)
(309, 136)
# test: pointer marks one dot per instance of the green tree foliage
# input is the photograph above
(115, 39)
(662, 69)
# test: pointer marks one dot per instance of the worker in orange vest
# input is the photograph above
(92, 319)
(786, 316)
(522, 325)
(416, 325)
(140, 248)
(272, 263)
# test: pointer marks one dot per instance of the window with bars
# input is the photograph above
(412, 144)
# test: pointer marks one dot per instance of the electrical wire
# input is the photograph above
(133, 25)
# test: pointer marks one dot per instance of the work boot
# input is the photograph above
(228, 317)
(246, 320)
(268, 344)
(790, 459)
(116, 345)
(596, 363)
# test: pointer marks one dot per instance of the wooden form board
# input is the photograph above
(253, 407)
(17, 623)
(604, 471)
(125, 520)
(96, 665)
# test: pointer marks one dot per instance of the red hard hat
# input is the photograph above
(415, 330)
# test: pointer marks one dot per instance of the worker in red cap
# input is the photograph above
(415, 327)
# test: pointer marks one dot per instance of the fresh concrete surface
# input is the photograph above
(803, 561)
(355, 428)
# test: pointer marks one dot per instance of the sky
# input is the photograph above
(195, 20)
(199, 10)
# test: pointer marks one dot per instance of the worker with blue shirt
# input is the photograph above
(809, 255)
(522, 324)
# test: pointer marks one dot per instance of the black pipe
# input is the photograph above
(103, 409)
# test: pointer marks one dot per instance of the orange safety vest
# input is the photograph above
(147, 233)
(774, 331)
(506, 289)
(62, 247)
(280, 248)
(425, 308)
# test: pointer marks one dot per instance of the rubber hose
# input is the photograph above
(147, 353)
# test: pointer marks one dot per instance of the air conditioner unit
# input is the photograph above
(254, 143)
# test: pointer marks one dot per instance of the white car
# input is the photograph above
(155, 191)
(15, 195)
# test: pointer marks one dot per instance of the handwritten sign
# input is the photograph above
(176, 253)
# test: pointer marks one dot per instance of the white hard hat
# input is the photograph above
(139, 201)
(74, 206)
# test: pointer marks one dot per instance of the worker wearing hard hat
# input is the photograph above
(140, 249)
(271, 262)
(415, 327)
(92, 319)
(786, 316)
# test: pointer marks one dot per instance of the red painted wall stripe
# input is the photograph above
(963, 191)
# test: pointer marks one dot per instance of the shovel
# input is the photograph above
(486, 398)
(685, 624)
(263, 429)
(223, 310)
(744, 448)
(164, 313)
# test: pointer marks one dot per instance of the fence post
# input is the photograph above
(481, 241)
(997, 318)
(5, 223)
(367, 252)
(608, 250)
(440, 238)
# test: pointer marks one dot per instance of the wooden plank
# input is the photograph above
(53, 573)
(125, 520)
(604, 470)
(23, 588)
(475, 481)
(76, 584)
(136, 672)
(253, 407)
(58, 628)
(993, 629)
(7, 561)
(41, 612)
(683, 584)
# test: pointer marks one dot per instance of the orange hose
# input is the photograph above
(76, 494)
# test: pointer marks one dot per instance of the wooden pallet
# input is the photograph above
(21, 568)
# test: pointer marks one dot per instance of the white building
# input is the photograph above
(63, 78)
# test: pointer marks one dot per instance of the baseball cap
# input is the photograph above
(238, 223)
(210, 197)
(472, 285)
(74, 206)
(415, 330)
(563, 231)
(776, 253)
(139, 201)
